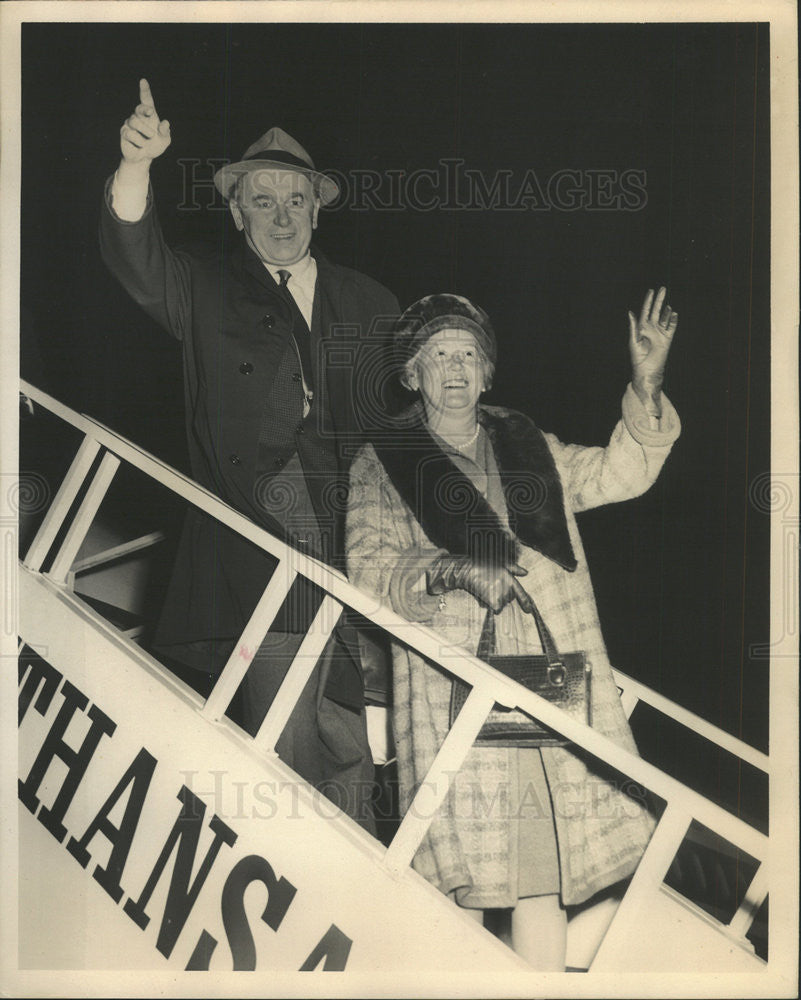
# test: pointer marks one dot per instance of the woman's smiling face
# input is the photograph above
(449, 372)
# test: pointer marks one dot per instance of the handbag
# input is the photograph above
(563, 679)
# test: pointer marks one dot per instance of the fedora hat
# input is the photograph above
(276, 150)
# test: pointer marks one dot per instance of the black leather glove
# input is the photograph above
(494, 586)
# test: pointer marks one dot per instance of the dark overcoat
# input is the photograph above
(235, 328)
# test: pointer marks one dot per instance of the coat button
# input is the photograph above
(234, 459)
(246, 368)
(279, 463)
(296, 377)
(268, 321)
(300, 429)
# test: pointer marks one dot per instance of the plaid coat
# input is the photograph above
(470, 850)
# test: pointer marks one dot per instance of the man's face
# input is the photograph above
(277, 209)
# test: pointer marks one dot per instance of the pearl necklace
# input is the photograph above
(466, 444)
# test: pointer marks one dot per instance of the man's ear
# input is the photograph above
(315, 211)
(239, 222)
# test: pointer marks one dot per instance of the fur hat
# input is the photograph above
(444, 311)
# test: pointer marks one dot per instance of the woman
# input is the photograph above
(471, 507)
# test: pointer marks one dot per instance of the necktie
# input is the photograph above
(300, 331)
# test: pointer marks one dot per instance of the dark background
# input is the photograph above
(681, 574)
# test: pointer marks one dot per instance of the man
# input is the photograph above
(267, 422)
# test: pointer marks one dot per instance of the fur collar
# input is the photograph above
(452, 512)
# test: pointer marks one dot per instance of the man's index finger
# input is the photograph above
(145, 97)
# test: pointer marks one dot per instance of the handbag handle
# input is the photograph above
(486, 642)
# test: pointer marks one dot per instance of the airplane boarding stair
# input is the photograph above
(154, 833)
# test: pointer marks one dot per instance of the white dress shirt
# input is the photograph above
(302, 279)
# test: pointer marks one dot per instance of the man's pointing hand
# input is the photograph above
(144, 136)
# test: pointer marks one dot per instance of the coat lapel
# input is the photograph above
(248, 263)
(451, 511)
(327, 314)
(334, 382)
(531, 484)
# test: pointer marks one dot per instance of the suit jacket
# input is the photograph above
(235, 328)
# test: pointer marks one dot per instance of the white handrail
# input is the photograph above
(67, 492)
(83, 518)
(100, 559)
(635, 691)
(426, 642)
